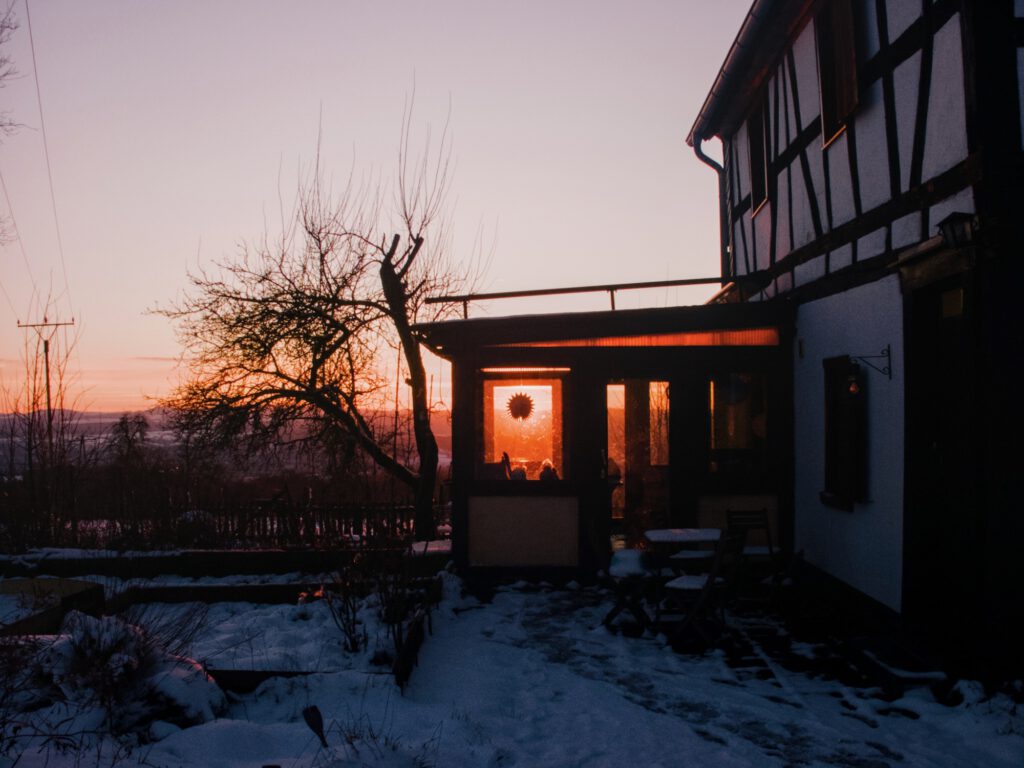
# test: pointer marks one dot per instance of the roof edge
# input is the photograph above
(768, 26)
(746, 34)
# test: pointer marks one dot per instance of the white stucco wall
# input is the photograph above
(945, 142)
(872, 149)
(842, 183)
(900, 15)
(863, 548)
(906, 81)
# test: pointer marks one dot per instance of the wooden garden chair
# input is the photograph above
(761, 561)
(700, 597)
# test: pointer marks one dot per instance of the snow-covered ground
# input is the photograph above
(15, 608)
(532, 678)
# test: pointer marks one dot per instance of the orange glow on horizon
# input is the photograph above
(114, 386)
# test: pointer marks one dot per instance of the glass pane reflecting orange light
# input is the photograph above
(637, 450)
(746, 337)
(737, 403)
(658, 398)
(523, 418)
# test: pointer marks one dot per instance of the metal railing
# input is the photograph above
(609, 288)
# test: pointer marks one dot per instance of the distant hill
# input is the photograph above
(93, 425)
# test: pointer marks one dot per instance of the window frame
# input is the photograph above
(731, 462)
(758, 126)
(522, 377)
(835, 39)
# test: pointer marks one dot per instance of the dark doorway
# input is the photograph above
(943, 525)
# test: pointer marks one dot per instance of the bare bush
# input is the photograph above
(344, 597)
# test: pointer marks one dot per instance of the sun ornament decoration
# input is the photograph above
(520, 406)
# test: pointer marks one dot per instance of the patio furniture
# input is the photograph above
(700, 598)
(681, 537)
(760, 558)
(684, 549)
(754, 523)
(634, 579)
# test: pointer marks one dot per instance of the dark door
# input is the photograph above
(942, 526)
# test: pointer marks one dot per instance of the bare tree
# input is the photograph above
(286, 340)
(44, 443)
(8, 23)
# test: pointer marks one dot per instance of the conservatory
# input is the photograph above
(573, 433)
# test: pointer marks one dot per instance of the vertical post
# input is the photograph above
(45, 330)
(49, 407)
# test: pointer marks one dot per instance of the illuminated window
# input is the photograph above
(637, 453)
(658, 417)
(522, 428)
(737, 403)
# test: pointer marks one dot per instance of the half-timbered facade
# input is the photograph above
(871, 177)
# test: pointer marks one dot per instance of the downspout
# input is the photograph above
(725, 252)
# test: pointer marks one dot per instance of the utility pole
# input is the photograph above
(45, 330)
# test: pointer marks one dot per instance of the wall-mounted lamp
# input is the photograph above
(853, 385)
(958, 229)
(885, 369)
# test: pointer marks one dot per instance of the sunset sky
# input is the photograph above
(176, 128)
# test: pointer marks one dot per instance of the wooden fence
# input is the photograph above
(274, 524)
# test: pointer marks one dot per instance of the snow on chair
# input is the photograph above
(633, 577)
(700, 598)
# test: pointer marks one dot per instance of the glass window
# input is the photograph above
(738, 406)
(522, 428)
(638, 449)
(658, 416)
(837, 66)
(758, 144)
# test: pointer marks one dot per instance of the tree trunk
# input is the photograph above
(426, 445)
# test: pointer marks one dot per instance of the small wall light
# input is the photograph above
(958, 229)
(853, 381)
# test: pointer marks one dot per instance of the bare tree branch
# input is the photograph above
(288, 336)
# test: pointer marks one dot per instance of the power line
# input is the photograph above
(9, 302)
(46, 151)
(17, 236)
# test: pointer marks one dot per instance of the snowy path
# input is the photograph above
(533, 679)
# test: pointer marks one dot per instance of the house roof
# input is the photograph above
(762, 38)
(453, 337)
